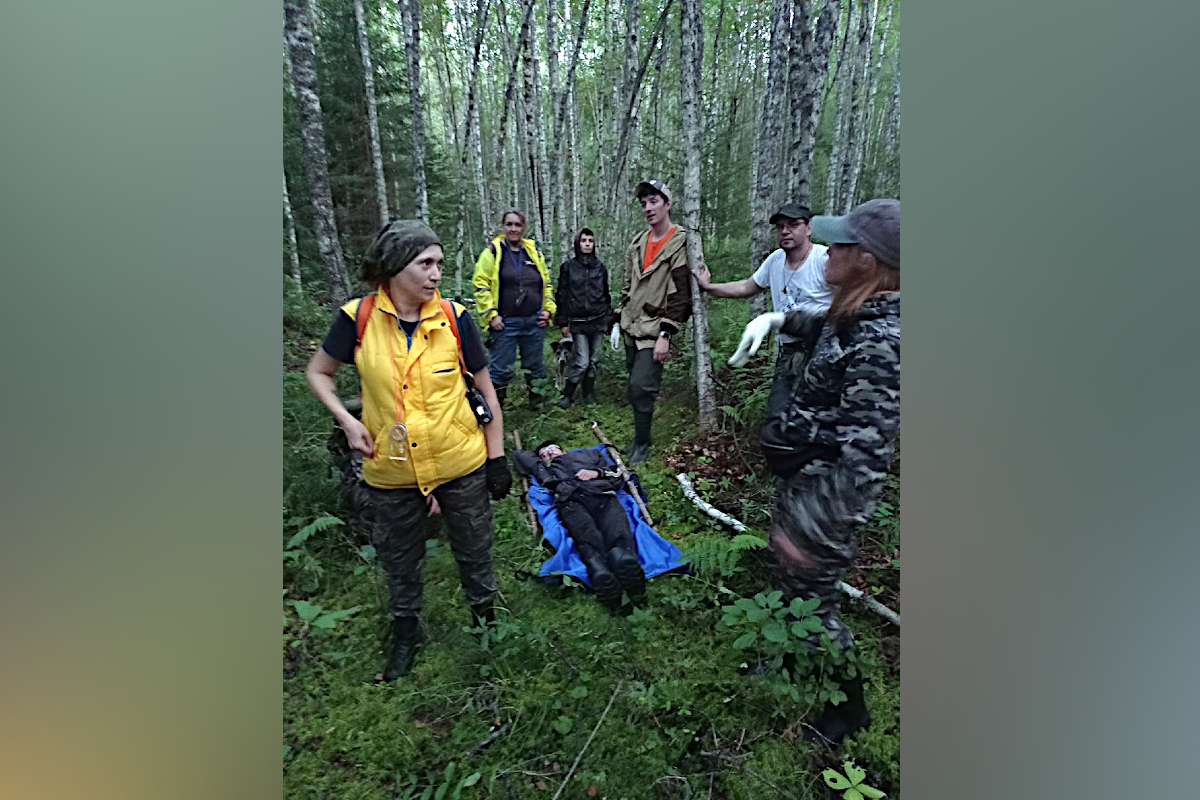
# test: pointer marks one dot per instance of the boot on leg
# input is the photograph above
(405, 640)
(639, 450)
(483, 615)
(605, 584)
(589, 390)
(629, 572)
(501, 392)
(568, 392)
(837, 722)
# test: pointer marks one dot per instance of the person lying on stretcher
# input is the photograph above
(584, 485)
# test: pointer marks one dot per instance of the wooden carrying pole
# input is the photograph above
(533, 523)
(615, 456)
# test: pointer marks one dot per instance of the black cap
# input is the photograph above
(791, 211)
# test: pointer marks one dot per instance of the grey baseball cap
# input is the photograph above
(645, 187)
(875, 225)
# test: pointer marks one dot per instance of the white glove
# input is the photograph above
(615, 336)
(753, 336)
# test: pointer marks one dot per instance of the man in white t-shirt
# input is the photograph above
(795, 274)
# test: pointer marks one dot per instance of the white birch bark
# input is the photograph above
(803, 143)
(692, 57)
(841, 85)
(473, 137)
(410, 14)
(290, 226)
(578, 207)
(312, 129)
(871, 122)
(768, 158)
(617, 172)
(364, 49)
(863, 116)
(510, 102)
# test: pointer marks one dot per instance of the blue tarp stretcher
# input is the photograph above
(655, 553)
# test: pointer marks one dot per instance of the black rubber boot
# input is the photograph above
(589, 391)
(629, 572)
(837, 722)
(640, 448)
(537, 403)
(483, 615)
(605, 584)
(501, 391)
(568, 392)
(406, 634)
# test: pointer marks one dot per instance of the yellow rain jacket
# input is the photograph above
(487, 279)
(444, 438)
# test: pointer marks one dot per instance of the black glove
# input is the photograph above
(499, 479)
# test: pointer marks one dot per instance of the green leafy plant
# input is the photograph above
(439, 788)
(852, 783)
(783, 637)
(313, 617)
(719, 554)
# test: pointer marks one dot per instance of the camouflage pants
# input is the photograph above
(828, 551)
(395, 522)
(781, 384)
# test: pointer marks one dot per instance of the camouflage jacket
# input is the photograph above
(845, 406)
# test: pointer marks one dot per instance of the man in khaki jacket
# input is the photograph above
(656, 300)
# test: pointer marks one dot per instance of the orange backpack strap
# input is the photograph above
(448, 309)
(365, 307)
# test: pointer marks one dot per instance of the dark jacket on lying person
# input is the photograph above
(559, 476)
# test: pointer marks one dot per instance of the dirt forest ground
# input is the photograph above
(509, 717)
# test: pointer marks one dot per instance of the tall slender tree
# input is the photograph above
(691, 61)
(364, 48)
(308, 99)
(410, 15)
(769, 143)
(289, 224)
(806, 107)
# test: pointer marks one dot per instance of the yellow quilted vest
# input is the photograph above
(445, 441)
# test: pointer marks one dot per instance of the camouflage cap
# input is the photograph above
(874, 224)
(394, 248)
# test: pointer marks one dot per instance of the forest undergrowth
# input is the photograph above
(507, 717)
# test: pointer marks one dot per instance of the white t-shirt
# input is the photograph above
(803, 288)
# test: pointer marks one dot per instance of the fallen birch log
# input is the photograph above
(689, 492)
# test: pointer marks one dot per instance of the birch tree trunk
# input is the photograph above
(474, 141)
(410, 14)
(304, 81)
(618, 168)
(578, 208)
(768, 158)
(859, 150)
(534, 144)
(833, 180)
(364, 50)
(510, 98)
(290, 225)
(870, 118)
(812, 93)
(692, 57)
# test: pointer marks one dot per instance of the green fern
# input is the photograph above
(718, 555)
(316, 526)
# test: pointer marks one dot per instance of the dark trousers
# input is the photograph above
(587, 356)
(395, 521)
(596, 523)
(645, 374)
(781, 385)
(519, 333)
(829, 550)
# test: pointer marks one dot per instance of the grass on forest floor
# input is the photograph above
(684, 721)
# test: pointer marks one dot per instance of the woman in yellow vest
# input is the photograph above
(421, 443)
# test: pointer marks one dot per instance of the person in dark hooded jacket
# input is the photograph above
(585, 484)
(831, 444)
(584, 314)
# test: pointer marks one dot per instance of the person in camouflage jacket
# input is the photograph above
(831, 445)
